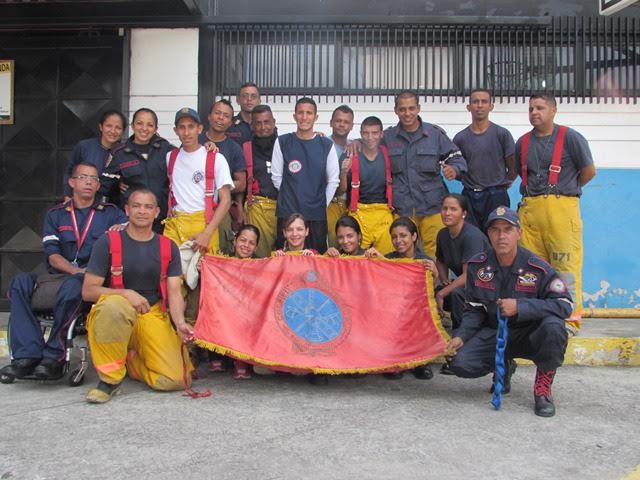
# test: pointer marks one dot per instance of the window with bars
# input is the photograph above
(577, 57)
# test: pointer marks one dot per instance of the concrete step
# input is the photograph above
(601, 342)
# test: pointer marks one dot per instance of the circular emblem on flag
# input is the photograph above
(311, 315)
(294, 166)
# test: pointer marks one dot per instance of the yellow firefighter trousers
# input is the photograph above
(336, 209)
(182, 226)
(144, 345)
(552, 229)
(375, 220)
(428, 228)
(262, 214)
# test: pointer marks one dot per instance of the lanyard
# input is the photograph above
(80, 239)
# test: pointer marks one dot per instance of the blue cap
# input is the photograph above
(503, 213)
(187, 112)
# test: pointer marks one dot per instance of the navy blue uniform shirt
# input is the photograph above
(59, 236)
(539, 291)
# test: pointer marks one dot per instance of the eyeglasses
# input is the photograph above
(250, 96)
(84, 178)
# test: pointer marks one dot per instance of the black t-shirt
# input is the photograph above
(373, 180)
(140, 262)
(455, 252)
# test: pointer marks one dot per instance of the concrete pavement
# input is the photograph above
(285, 428)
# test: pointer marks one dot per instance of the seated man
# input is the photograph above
(129, 329)
(70, 230)
(533, 298)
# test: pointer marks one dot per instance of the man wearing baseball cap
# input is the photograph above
(199, 187)
(529, 294)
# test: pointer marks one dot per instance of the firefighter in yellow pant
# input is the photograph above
(262, 214)
(336, 209)
(127, 327)
(554, 163)
(366, 178)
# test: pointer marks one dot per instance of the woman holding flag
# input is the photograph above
(348, 237)
(295, 232)
(404, 236)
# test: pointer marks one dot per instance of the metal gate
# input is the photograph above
(62, 84)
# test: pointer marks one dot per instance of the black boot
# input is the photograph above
(20, 367)
(544, 406)
(49, 369)
(423, 372)
(506, 384)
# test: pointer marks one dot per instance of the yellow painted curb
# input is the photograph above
(633, 475)
(607, 351)
(4, 344)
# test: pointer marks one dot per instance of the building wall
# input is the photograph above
(611, 277)
(164, 73)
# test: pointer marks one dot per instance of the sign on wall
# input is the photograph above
(6, 92)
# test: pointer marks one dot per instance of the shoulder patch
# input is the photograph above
(557, 286)
(478, 258)
(540, 264)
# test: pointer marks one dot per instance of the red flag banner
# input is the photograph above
(319, 314)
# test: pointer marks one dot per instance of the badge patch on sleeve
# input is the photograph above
(557, 286)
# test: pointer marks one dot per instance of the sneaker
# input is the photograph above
(217, 366)
(241, 370)
(103, 392)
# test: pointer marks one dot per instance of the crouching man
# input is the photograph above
(533, 298)
(132, 275)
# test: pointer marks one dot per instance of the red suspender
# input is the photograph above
(115, 249)
(554, 168)
(556, 158)
(355, 180)
(173, 156)
(248, 158)
(209, 187)
(387, 168)
(165, 258)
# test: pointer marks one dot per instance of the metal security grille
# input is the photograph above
(588, 58)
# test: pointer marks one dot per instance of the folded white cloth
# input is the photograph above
(190, 258)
